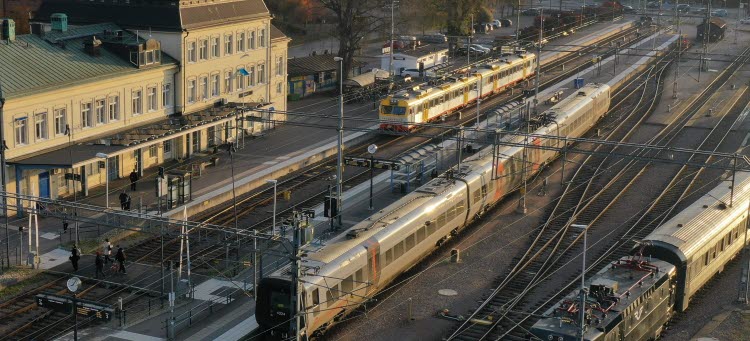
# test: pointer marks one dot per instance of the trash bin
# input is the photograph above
(578, 83)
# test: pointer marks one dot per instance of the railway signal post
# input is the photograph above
(582, 322)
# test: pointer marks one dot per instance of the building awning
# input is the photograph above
(84, 153)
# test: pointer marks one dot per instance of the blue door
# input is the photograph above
(44, 185)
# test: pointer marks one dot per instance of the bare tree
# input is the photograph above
(355, 20)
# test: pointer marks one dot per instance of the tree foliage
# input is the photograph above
(355, 19)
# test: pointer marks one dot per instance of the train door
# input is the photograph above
(495, 82)
(425, 112)
(466, 95)
(373, 265)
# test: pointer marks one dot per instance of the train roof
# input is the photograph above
(688, 231)
(357, 234)
(422, 92)
(625, 280)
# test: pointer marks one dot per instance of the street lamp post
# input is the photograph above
(273, 228)
(340, 162)
(106, 177)
(585, 229)
(371, 149)
(69, 132)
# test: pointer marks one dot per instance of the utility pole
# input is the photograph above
(518, 21)
(538, 59)
(4, 177)
(706, 31)
(295, 302)
(522, 202)
(679, 51)
(340, 161)
(583, 284)
(390, 65)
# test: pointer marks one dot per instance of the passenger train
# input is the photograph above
(685, 253)
(350, 269)
(400, 111)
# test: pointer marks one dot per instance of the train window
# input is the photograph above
(729, 237)
(446, 98)
(398, 250)
(359, 277)
(329, 297)
(410, 242)
(433, 226)
(389, 257)
(484, 191)
(476, 196)
(722, 245)
(460, 207)
(451, 214)
(315, 297)
(441, 220)
(421, 234)
(705, 259)
(347, 286)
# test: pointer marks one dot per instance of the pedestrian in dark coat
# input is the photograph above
(120, 258)
(133, 179)
(99, 262)
(75, 255)
(127, 202)
(107, 251)
(123, 200)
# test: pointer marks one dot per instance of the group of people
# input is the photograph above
(100, 261)
(125, 197)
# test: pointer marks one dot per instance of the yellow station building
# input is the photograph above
(140, 82)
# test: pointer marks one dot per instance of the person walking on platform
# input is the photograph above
(123, 200)
(99, 262)
(107, 250)
(120, 258)
(133, 179)
(127, 202)
(75, 255)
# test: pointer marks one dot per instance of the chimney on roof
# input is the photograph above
(59, 22)
(37, 28)
(7, 29)
(92, 46)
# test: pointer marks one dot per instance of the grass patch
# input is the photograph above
(17, 280)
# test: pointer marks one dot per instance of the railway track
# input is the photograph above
(26, 321)
(553, 246)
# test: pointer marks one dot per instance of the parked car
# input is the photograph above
(471, 50)
(437, 38)
(481, 47)
(482, 28)
(496, 23)
(628, 9)
(506, 23)
(653, 4)
(397, 44)
(531, 11)
(489, 26)
(699, 10)
(684, 8)
(719, 13)
(410, 41)
(745, 21)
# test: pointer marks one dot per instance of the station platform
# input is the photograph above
(260, 158)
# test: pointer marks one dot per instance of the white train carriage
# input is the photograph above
(701, 239)
(354, 266)
(400, 111)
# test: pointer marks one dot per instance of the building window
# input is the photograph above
(251, 40)
(215, 86)
(228, 44)
(101, 115)
(261, 73)
(40, 125)
(204, 88)
(191, 52)
(228, 82)
(167, 146)
(152, 99)
(278, 88)
(137, 102)
(153, 150)
(21, 133)
(215, 47)
(262, 37)
(279, 66)
(166, 95)
(191, 91)
(87, 119)
(114, 108)
(241, 42)
(203, 50)
(252, 76)
(60, 121)
(240, 81)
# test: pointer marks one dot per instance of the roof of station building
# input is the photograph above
(33, 64)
